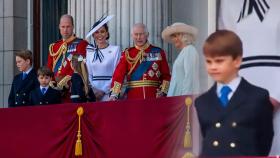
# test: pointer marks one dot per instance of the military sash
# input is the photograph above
(146, 64)
(61, 61)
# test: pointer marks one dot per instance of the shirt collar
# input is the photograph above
(233, 84)
(44, 87)
(27, 72)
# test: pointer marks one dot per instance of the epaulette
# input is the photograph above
(78, 38)
(57, 41)
(155, 50)
(77, 41)
(129, 48)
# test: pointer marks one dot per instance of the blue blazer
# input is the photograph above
(20, 90)
(51, 96)
(243, 128)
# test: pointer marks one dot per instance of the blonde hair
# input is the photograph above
(79, 66)
(187, 38)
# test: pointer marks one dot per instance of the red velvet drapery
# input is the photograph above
(152, 128)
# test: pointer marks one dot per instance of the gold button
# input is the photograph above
(215, 143)
(218, 124)
(232, 145)
(234, 124)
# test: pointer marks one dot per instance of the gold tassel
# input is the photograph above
(188, 137)
(78, 147)
(188, 155)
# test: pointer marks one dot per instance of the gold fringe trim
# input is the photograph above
(78, 146)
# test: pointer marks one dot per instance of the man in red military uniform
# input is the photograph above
(60, 55)
(145, 68)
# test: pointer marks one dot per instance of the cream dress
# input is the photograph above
(185, 73)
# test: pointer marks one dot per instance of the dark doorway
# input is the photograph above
(51, 12)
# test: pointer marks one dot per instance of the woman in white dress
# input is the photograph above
(185, 72)
(101, 59)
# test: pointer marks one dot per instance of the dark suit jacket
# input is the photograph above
(51, 96)
(77, 90)
(20, 90)
(242, 128)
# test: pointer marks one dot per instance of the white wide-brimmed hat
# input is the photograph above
(97, 25)
(178, 28)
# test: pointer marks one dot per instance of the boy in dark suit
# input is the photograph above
(235, 116)
(24, 82)
(44, 94)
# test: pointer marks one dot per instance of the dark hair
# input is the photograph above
(25, 54)
(107, 29)
(223, 43)
(44, 71)
(105, 25)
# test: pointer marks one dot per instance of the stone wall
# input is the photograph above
(13, 36)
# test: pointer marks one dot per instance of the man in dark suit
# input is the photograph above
(235, 116)
(24, 82)
(44, 94)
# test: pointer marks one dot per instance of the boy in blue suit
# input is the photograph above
(24, 82)
(235, 116)
(44, 94)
